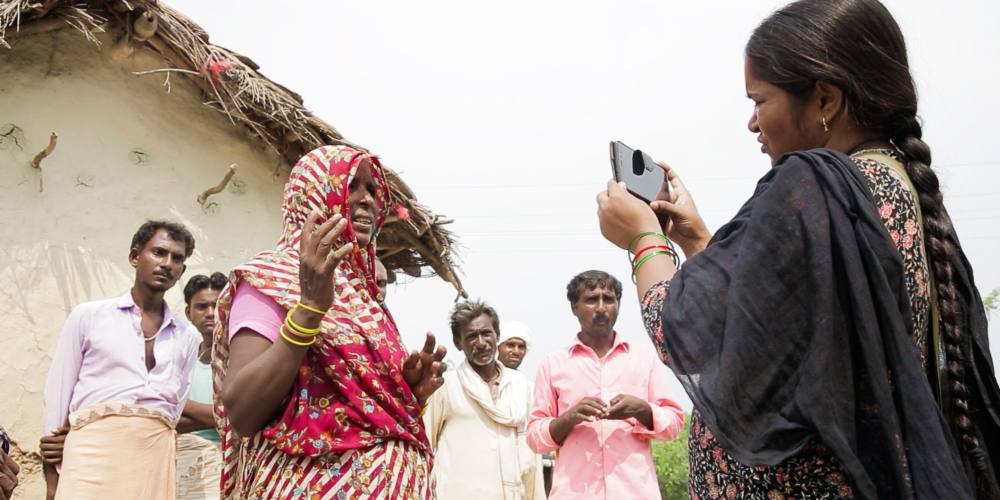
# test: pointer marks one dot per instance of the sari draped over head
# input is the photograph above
(794, 324)
(349, 393)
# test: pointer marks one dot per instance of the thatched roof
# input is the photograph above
(232, 84)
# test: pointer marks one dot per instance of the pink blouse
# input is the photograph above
(255, 311)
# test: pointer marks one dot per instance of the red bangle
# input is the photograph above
(650, 247)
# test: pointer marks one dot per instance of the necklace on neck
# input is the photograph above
(877, 146)
(150, 339)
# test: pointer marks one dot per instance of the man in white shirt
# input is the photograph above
(119, 380)
(477, 419)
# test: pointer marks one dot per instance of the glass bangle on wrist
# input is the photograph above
(289, 337)
(310, 309)
(666, 242)
(297, 328)
(640, 262)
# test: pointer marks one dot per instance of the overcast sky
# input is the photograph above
(499, 114)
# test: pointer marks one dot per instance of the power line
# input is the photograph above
(595, 185)
(687, 180)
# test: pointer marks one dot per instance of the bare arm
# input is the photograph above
(196, 416)
(560, 428)
(51, 480)
(624, 216)
(260, 374)
(259, 378)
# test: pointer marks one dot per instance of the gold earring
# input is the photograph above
(826, 128)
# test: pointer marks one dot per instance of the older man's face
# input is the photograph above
(512, 352)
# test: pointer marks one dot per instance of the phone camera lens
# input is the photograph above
(638, 165)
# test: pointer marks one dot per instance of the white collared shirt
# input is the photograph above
(101, 358)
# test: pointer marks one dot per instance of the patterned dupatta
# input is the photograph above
(349, 392)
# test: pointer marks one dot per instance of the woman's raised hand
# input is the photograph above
(623, 216)
(318, 259)
(684, 223)
(423, 369)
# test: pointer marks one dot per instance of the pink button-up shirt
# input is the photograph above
(606, 459)
(101, 358)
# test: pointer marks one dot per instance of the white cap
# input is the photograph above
(514, 330)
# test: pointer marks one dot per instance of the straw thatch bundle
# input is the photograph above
(232, 84)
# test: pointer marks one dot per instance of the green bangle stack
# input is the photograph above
(638, 259)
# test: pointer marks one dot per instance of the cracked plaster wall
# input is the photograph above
(127, 151)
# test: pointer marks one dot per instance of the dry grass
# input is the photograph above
(232, 84)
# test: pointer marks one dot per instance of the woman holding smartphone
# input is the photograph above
(830, 335)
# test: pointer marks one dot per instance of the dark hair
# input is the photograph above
(857, 46)
(177, 232)
(465, 312)
(200, 282)
(589, 280)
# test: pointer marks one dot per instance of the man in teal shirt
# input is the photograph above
(199, 458)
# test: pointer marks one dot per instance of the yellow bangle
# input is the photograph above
(293, 341)
(311, 309)
(297, 328)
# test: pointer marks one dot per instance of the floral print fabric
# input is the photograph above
(349, 395)
(815, 472)
(899, 211)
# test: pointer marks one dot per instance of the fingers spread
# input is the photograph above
(334, 257)
(412, 361)
(429, 343)
(310, 226)
(438, 368)
(324, 234)
(329, 231)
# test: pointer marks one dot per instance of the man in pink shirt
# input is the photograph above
(600, 403)
(118, 382)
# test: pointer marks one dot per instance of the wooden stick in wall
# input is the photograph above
(37, 160)
(203, 197)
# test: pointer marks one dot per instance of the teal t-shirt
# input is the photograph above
(201, 392)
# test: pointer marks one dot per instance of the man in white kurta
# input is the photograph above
(476, 421)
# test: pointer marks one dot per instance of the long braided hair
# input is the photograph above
(857, 46)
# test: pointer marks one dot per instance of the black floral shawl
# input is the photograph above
(794, 324)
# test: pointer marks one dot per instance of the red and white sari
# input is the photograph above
(351, 426)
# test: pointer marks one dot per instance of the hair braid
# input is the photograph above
(905, 133)
(857, 46)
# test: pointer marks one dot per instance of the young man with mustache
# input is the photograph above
(119, 379)
(600, 403)
(477, 419)
(199, 456)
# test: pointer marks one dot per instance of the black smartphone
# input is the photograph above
(641, 175)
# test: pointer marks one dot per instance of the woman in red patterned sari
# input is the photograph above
(335, 414)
